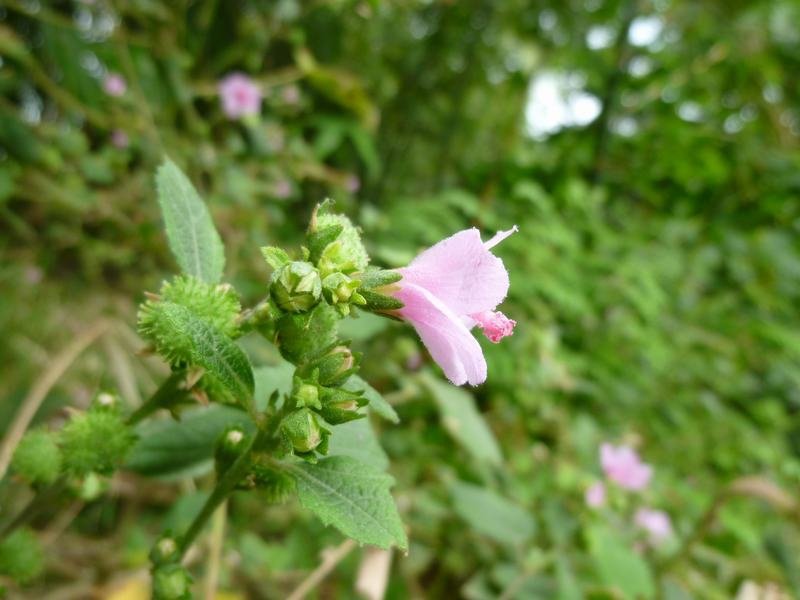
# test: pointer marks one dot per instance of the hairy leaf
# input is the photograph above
(353, 497)
(192, 237)
(207, 347)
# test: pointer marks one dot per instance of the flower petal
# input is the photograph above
(448, 340)
(461, 272)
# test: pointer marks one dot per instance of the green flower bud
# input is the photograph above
(303, 337)
(296, 287)
(165, 550)
(336, 243)
(21, 556)
(106, 401)
(217, 305)
(306, 395)
(230, 445)
(171, 582)
(37, 459)
(332, 368)
(95, 441)
(338, 288)
(340, 406)
(303, 430)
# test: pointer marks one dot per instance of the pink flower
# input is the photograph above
(449, 289)
(120, 139)
(241, 96)
(596, 495)
(656, 523)
(291, 95)
(623, 466)
(352, 183)
(282, 189)
(114, 84)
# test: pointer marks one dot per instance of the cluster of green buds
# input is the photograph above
(91, 446)
(308, 297)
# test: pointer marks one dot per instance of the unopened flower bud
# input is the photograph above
(95, 441)
(21, 556)
(306, 395)
(335, 242)
(171, 582)
(230, 445)
(165, 550)
(340, 289)
(341, 406)
(296, 287)
(303, 430)
(37, 459)
(333, 367)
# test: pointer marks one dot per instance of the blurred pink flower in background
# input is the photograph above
(352, 183)
(241, 96)
(291, 95)
(120, 139)
(596, 495)
(282, 189)
(656, 523)
(449, 289)
(623, 466)
(114, 84)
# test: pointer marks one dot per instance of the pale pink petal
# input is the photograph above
(448, 340)
(623, 466)
(461, 272)
(596, 495)
(240, 95)
(656, 523)
(500, 236)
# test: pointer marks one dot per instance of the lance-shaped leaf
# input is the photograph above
(207, 347)
(353, 497)
(192, 237)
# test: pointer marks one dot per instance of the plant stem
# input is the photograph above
(159, 399)
(224, 488)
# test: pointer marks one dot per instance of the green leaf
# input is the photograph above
(376, 401)
(618, 566)
(169, 448)
(353, 497)
(275, 257)
(192, 237)
(222, 359)
(491, 514)
(462, 420)
(271, 379)
(357, 440)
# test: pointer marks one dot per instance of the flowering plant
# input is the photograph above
(281, 445)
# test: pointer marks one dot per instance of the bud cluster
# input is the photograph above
(89, 447)
(311, 296)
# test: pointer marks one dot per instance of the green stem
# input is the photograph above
(44, 497)
(161, 397)
(226, 485)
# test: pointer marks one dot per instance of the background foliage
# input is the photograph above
(655, 278)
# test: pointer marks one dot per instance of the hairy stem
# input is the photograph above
(165, 394)
(225, 486)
